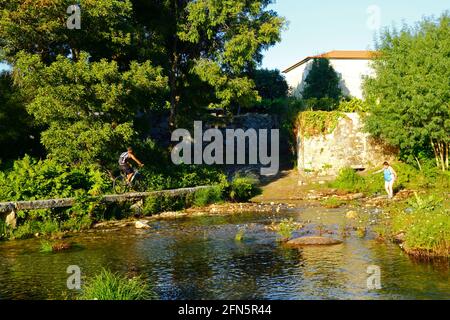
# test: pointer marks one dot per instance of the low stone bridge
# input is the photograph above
(8, 209)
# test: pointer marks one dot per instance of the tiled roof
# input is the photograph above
(338, 54)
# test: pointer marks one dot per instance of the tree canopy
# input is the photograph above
(322, 81)
(410, 96)
(86, 87)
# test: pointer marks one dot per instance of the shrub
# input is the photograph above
(208, 196)
(31, 180)
(112, 286)
(350, 181)
(242, 189)
(163, 203)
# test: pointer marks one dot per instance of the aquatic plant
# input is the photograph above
(285, 228)
(46, 247)
(113, 286)
(240, 235)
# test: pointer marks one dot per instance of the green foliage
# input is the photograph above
(164, 203)
(409, 177)
(270, 84)
(168, 176)
(322, 81)
(242, 189)
(353, 105)
(31, 180)
(240, 235)
(313, 123)
(112, 286)
(46, 247)
(350, 181)
(208, 196)
(285, 228)
(321, 104)
(18, 134)
(427, 227)
(87, 107)
(4, 230)
(409, 97)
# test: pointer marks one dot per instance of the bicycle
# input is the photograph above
(121, 185)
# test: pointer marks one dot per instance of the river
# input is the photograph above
(199, 258)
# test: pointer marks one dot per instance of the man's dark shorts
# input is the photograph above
(126, 170)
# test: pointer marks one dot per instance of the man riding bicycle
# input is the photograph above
(125, 166)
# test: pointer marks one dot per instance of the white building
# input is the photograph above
(351, 66)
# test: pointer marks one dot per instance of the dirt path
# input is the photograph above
(286, 188)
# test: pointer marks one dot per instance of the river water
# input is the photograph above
(199, 258)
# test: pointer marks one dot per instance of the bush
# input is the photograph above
(208, 196)
(350, 181)
(112, 286)
(242, 189)
(164, 203)
(31, 180)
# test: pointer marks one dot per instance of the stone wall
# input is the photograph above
(346, 146)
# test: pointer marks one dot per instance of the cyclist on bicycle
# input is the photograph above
(125, 166)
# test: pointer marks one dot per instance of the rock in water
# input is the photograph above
(142, 225)
(313, 241)
(352, 215)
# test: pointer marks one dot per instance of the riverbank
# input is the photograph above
(418, 219)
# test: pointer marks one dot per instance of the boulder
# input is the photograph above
(313, 241)
(141, 225)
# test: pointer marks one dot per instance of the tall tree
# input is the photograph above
(87, 107)
(270, 84)
(18, 134)
(322, 81)
(210, 47)
(410, 96)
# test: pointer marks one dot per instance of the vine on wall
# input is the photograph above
(315, 123)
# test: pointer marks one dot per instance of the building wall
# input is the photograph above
(346, 146)
(351, 72)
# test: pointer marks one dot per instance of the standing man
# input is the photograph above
(125, 166)
(389, 178)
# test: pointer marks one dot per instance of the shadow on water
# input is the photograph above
(199, 258)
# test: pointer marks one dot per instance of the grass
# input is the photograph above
(112, 286)
(425, 221)
(46, 247)
(205, 197)
(333, 203)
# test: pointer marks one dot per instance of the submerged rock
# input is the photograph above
(313, 241)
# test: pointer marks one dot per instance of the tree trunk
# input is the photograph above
(173, 74)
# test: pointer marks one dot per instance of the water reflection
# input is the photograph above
(200, 259)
